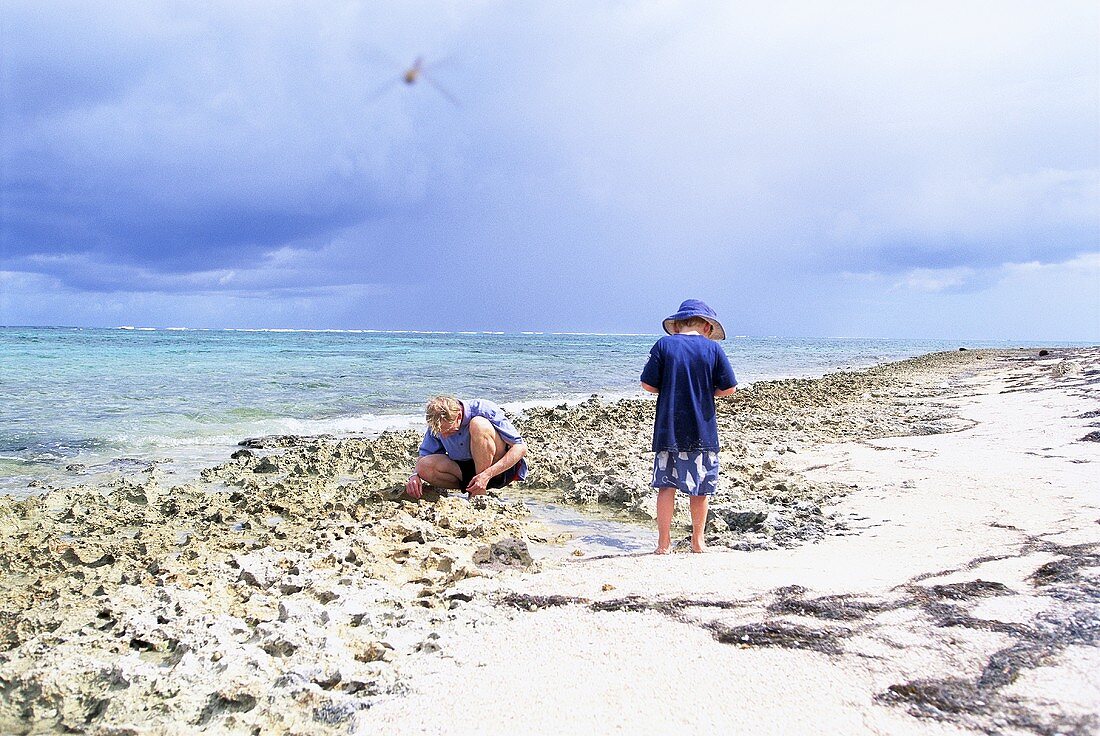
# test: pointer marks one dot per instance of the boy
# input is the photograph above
(687, 369)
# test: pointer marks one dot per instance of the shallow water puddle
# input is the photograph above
(591, 533)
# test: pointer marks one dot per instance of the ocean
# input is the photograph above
(75, 401)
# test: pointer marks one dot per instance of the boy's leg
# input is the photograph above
(666, 504)
(698, 522)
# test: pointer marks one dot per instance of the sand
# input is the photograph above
(909, 549)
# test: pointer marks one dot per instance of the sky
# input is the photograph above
(862, 169)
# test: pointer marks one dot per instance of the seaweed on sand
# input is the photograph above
(831, 607)
(956, 700)
(970, 589)
(980, 702)
(783, 634)
(527, 602)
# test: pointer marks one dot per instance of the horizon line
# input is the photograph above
(332, 330)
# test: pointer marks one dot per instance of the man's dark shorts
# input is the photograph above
(497, 481)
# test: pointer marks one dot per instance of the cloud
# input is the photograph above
(966, 279)
(936, 279)
(283, 271)
(35, 299)
(219, 138)
(1047, 214)
(1086, 264)
(748, 153)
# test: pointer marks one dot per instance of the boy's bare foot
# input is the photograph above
(661, 551)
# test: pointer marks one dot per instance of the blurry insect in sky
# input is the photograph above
(415, 73)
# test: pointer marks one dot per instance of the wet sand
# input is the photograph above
(911, 548)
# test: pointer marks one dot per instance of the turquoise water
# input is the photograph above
(71, 395)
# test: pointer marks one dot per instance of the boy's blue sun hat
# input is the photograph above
(697, 308)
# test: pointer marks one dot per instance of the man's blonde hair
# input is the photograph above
(691, 323)
(441, 410)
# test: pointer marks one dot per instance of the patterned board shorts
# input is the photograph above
(694, 473)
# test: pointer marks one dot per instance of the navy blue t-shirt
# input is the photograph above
(687, 369)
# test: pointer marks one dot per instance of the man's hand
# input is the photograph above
(479, 483)
(415, 486)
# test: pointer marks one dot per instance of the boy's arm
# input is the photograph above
(723, 375)
(651, 374)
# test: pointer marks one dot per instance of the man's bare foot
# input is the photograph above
(698, 548)
(661, 551)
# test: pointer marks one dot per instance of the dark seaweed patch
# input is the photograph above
(971, 589)
(979, 702)
(1093, 436)
(780, 634)
(673, 607)
(830, 607)
(1064, 570)
(937, 698)
(970, 565)
(535, 602)
(1064, 578)
(958, 618)
(697, 603)
(633, 604)
(959, 700)
(764, 634)
(1005, 665)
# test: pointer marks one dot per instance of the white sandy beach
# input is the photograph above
(1011, 486)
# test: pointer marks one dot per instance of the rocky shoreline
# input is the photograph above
(282, 591)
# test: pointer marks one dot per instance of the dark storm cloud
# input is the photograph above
(172, 140)
(602, 158)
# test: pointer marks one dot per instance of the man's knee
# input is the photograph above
(482, 427)
(484, 435)
(482, 430)
(430, 467)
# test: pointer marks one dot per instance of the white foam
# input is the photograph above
(370, 424)
(607, 334)
(365, 424)
(521, 407)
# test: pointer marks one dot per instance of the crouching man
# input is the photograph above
(469, 445)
